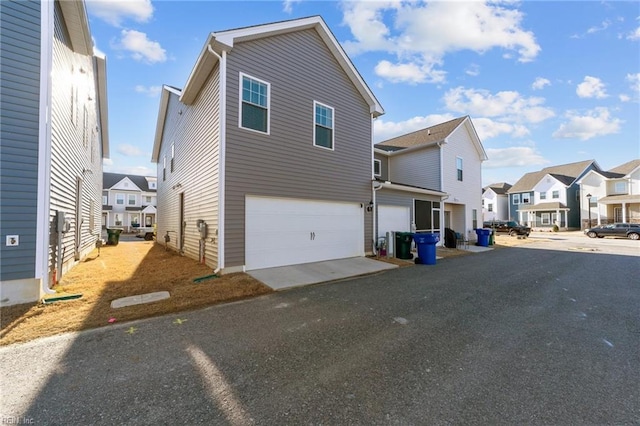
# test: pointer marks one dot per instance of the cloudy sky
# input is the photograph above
(545, 83)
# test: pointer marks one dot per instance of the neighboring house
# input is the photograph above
(429, 180)
(53, 132)
(264, 157)
(495, 202)
(612, 196)
(549, 197)
(128, 201)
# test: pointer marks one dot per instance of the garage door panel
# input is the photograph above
(287, 232)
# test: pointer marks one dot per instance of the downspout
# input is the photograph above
(221, 166)
(44, 150)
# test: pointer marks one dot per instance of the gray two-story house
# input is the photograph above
(430, 179)
(265, 155)
(53, 137)
(549, 197)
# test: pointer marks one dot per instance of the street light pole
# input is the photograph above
(589, 207)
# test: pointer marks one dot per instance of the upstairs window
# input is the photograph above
(620, 188)
(516, 199)
(164, 168)
(323, 133)
(490, 207)
(120, 199)
(526, 199)
(105, 198)
(555, 194)
(254, 110)
(132, 199)
(543, 195)
(459, 168)
(173, 153)
(377, 167)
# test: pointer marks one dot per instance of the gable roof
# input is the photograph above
(626, 168)
(429, 135)
(499, 188)
(109, 180)
(434, 135)
(566, 171)
(223, 42)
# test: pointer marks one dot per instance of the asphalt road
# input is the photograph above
(511, 336)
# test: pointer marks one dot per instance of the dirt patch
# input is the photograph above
(128, 269)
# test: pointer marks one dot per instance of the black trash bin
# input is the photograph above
(113, 236)
(403, 245)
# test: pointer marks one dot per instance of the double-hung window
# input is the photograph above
(120, 199)
(132, 199)
(516, 199)
(254, 99)
(377, 167)
(323, 123)
(459, 168)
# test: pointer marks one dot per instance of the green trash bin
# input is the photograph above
(492, 237)
(113, 236)
(403, 245)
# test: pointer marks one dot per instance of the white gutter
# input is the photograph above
(397, 187)
(221, 158)
(44, 149)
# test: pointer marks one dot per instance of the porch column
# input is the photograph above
(624, 212)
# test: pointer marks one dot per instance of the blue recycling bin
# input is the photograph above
(426, 245)
(483, 237)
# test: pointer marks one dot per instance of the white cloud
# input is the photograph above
(605, 24)
(384, 130)
(473, 70)
(591, 87)
(131, 151)
(634, 82)
(287, 5)
(540, 83)
(106, 162)
(624, 98)
(634, 35)
(513, 157)
(488, 128)
(141, 48)
(400, 28)
(597, 122)
(151, 91)
(115, 11)
(131, 170)
(508, 105)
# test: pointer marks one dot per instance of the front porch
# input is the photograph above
(545, 216)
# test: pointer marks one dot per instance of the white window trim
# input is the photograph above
(553, 193)
(135, 199)
(461, 169)
(333, 129)
(379, 163)
(545, 219)
(516, 199)
(528, 201)
(268, 132)
(120, 196)
(623, 185)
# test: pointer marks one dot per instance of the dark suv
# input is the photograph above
(629, 230)
(510, 227)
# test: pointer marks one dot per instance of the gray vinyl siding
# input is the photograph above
(418, 168)
(19, 135)
(196, 137)
(300, 70)
(71, 158)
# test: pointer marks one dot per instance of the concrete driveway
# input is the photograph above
(509, 336)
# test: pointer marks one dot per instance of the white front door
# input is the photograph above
(393, 219)
(284, 231)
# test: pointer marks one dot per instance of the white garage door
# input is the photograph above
(283, 231)
(393, 218)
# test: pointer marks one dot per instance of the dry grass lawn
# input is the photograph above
(128, 269)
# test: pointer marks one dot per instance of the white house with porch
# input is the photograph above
(611, 196)
(128, 201)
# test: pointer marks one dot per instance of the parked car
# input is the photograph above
(148, 232)
(510, 227)
(628, 230)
